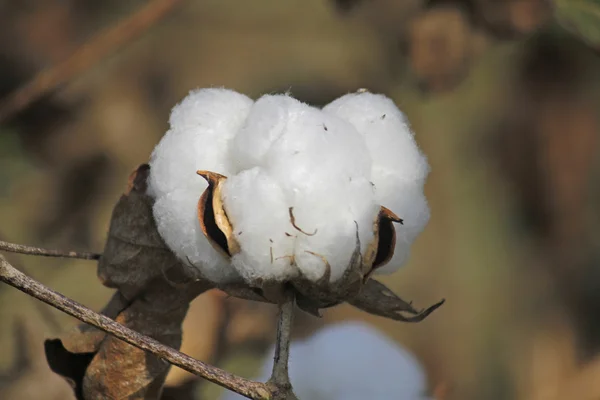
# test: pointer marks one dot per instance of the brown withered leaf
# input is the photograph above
(135, 253)
(154, 292)
(375, 298)
(70, 366)
(71, 355)
(99, 365)
(120, 370)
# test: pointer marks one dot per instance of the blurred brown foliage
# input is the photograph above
(503, 101)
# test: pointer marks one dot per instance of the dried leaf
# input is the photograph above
(120, 370)
(154, 292)
(69, 365)
(375, 298)
(134, 253)
(71, 355)
(86, 338)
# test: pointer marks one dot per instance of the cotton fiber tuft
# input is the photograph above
(300, 189)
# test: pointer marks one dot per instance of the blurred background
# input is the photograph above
(504, 97)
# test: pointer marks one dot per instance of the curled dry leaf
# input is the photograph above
(154, 292)
(377, 299)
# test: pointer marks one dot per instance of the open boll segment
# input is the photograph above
(322, 292)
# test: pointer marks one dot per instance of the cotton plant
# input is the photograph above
(275, 193)
(333, 364)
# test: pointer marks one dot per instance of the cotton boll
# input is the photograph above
(304, 186)
(257, 208)
(177, 222)
(266, 122)
(351, 361)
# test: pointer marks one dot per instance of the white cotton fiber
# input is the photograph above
(177, 222)
(202, 126)
(218, 111)
(399, 168)
(350, 361)
(266, 122)
(323, 167)
(334, 168)
(257, 208)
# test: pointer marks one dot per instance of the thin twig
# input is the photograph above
(247, 388)
(45, 313)
(86, 56)
(38, 251)
(280, 376)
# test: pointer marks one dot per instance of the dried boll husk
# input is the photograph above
(212, 216)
